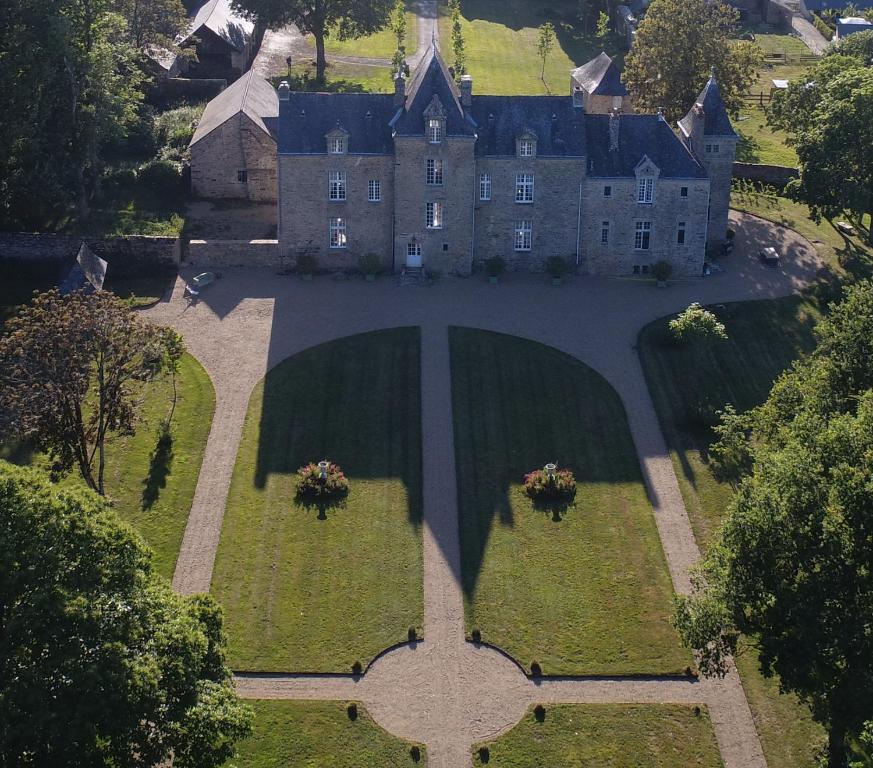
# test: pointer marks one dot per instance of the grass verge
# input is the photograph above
(296, 733)
(620, 736)
(380, 45)
(583, 592)
(315, 591)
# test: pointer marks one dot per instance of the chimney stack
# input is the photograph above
(466, 91)
(613, 130)
(399, 89)
(284, 91)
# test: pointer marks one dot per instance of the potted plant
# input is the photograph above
(494, 267)
(557, 267)
(661, 270)
(307, 264)
(370, 265)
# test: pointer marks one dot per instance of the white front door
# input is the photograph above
(413, 255)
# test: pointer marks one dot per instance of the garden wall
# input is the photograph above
(233, 253)
(26, 254)
(774, 175)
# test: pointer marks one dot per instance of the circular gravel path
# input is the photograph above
(444, 691)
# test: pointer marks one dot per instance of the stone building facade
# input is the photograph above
(438, 178)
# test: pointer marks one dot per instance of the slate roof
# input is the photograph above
(306, 118)
(251, 95)
(600, 77)
(219, 18)
(87, 273)
(851, 24)
(500, 120)
(638, 136)
(715, 117)
(432, 77)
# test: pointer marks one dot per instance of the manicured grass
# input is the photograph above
(501, 41)
(294, 734)
(759, 143)
(151, 481)
(618, 736)
(342, 78)
(586, 594)
(773, 41)
(312, 592)
(380, 45)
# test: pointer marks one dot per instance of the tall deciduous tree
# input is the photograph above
(398, 27)
(677, 43)
(459, 46)
(545, 45)
(67, 365)
(153, 24)
(347, 19)
(101, 664)
(792, 565)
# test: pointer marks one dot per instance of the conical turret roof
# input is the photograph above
(715, 117)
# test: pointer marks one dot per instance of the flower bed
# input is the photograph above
(311, 485)
(539, 485)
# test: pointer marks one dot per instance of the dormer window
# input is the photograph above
(336, 145)
(526, 147)
(435, 130)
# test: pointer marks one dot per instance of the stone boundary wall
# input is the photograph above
(25, 254)
(775, 175)
(233, 253)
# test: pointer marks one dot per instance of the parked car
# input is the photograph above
(769, 256)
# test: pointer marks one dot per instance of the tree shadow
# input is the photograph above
(303, 78)
(160, 463)
(748, 149)
(321, 506)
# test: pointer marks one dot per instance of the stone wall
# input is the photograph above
(235, 145)
(622, 211)
(448, 249)
(215, 254)
(775, 175)
(305, 208)
(554, 213)
(133, 256)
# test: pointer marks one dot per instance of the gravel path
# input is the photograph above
(444, 691)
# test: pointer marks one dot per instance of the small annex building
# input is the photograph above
(233, 150)
(597, 87)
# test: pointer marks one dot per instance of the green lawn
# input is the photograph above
(501, 42)
(618, 736)
(379, 45)
(759, 143)
(589, 593)
(342, 78)
(151, 481)
(307, 594)
(294, 734)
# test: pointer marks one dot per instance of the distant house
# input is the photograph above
(233, 150)
(597, 87)
(851, 24)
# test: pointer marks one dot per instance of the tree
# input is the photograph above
(834, 144)
(677, 43)
(101, 663)
(604, 33)
(348, 19)
(859, 45)
(790, 567)
(66, 369)
(153, 24)
(545, 44)
(583, 13)
(459, 48)
(696, 325)
(398, 27)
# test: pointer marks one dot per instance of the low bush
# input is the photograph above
(357, 668)
(174, 128)
(370, 264)
(484, 754)
(415, 754)
(822, 27)
(476, 636)
(311, 485)
(495, 266)
(557, 266)
(540, 713)
(661, 270)
(696, 324)
(535, 669)
(540, 486)
(162, 176)
(307, 263)
(352, 711)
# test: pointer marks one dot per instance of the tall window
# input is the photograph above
(242, 176)
(712, 149)
(524, 188)
(336, 145)
(604, 233)
(434, 217)
(683, 191)
(485, 186)
(434, 130)
(337, 233)
(374, 190)
(643, 235)
(434, 171)
(525, 148)
(337, 185)
(680, 233)
(607, 191)
(523, 232)
(645, 190)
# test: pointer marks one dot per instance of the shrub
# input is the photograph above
(540, 713)
(696, 324)
(495, 266)
(412, 634)
(352, 711)
(357, 668)
(661, 270)
(535, 669)
(476, 636)
(539, 486)
(160, 176)
(174, 128)
(484, 754)
(311, 485)
(307, 263)
(822, 27)
(415, 753)
(370, 264)
(557, 266)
